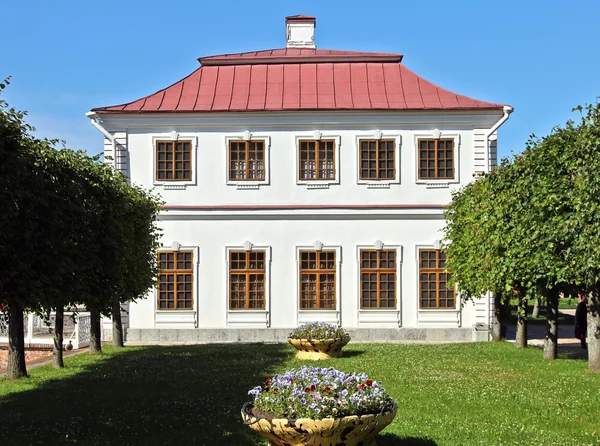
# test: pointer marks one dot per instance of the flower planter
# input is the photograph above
(315, 349)
(351, 430)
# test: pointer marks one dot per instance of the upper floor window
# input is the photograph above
(317, 160)
(377, 160)
(436, 159)
(174, 160)
(246, 160)
(433, 281)
(247, 280)
(175, 280)
(318, 280)
(377, 279)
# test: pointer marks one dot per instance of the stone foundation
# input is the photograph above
(422, 335)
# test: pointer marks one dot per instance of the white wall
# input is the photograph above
(283, 236)
(212, 230)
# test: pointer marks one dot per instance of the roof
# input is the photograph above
(292, 79)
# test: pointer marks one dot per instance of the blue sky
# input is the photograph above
(65, 57)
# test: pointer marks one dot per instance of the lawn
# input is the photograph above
(453, 394)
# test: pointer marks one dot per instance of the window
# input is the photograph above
(175, 280)
(433, 281)
(246, 160)
(174, 160)
(317, 280)
(377, 279)
(436, 159)
(247, 280)
(317, 160)
(377, 160)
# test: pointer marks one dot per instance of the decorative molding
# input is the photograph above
(174, 136)
(378, 185)
(436, 133)
(175, 245)
(440, 185)
(317, 135)
(247, 246)
(318, 245)
(377, 134)
(246, 136)
(246, 186)
(173, 186)
(378, 245)
(317, 186)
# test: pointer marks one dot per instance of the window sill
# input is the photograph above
(437, 184)
(376, 185)
(439, 310)
(315, 185)
(175, 185)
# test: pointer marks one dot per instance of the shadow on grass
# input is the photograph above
(394, 440)
(352, 353)
(175, 395)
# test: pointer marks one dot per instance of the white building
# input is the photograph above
(303, 184)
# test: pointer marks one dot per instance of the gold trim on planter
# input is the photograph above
(315, 349)
(352, 430)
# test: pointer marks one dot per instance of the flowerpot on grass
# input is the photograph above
(318, 340)
(319, 407)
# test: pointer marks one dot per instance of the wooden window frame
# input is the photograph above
(437, 271)
(318, 271)
(247, 169)
(247, 272)
(378, 271)
(317, 143)
(454, 176)
(377, 160)
(174, 170)
(176, 272)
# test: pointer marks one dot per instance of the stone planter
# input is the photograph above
(314, 349)
(352, 430)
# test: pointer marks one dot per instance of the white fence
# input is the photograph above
(40, 331)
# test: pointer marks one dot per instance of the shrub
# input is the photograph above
(319, 330)
(317, 393)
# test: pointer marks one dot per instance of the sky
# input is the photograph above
(66, 57)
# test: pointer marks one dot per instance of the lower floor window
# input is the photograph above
(175, 280)
(377, 279)
(317, 280)
(247, 280)
(433, 281)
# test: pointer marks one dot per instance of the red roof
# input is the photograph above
(301, 79)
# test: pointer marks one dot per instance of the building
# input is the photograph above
(303, 184)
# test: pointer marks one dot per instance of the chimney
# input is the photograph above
(300, 31)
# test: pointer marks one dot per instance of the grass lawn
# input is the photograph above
(453, 394)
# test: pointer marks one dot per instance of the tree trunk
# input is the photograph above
(117, 326)
(57, 353)
(536, 308)
(497, 318)
(95, 346)
(551, 339)
(16, 367)
(593, 329)
(521, 336)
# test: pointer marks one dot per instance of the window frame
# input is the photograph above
(195, 279)
(456, 307)
(247, 272)
(316, 137)
(437, 135)
(375, 183)
(249, 318)
(174, 137)
(377, 271)
(331, 315)
(251, 183)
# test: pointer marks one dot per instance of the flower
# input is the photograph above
(319, 330)
(314, 392)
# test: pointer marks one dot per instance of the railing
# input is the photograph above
(40, 331)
